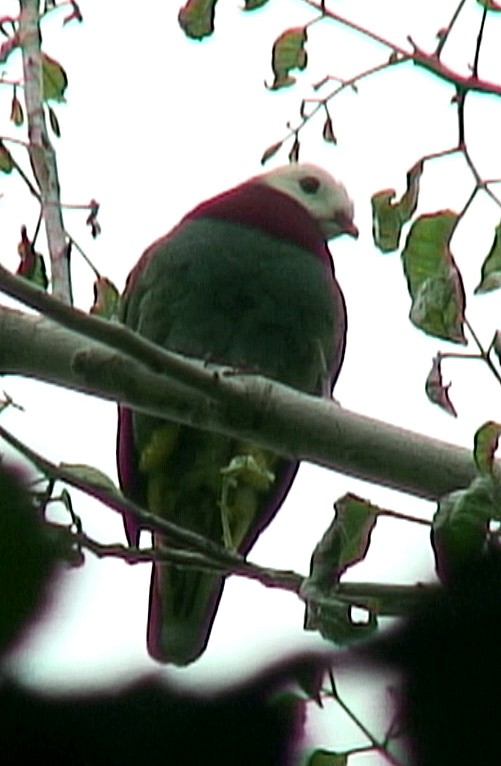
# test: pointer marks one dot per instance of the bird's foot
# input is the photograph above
(243, 479)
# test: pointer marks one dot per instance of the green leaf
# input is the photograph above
(491, 267)
(486, 443)
(106, 299)
(90, 475)
(251, 5)
(434, 281)
(196, 18)
(6, 161)
(333, 618)
(288, 53)
(33, 269)
(461, 524)
(346, 541)
(327, 758)
(54, 122)
(39, 274)
(32, 266)
(29, 556)
(54, 79)
(388, 217)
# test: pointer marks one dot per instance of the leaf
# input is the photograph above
(327, 758)
(90, 475)
(6, 161)
(321, 83)
(332, 618)
(196, 18)
(434, 281)
(29, 556)
(251, 5)
(16, 110)
(328, 131)
(106, 299)
(388, 217)
(270, 151)
(76, 13)
(491, 267)
(486, 443)
(461, 525)
(288, 53)
(386, 221)
(496, 344)
(491, 5)
(35, 272)
(310, 680)
(32, 266)
(92, 221)
(409, 201)
(346, 541)
(54, 79)
(435, 389)
(54, 123)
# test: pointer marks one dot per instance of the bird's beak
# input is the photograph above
(346, 225)
(340, 223)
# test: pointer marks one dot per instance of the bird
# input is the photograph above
(244, 280)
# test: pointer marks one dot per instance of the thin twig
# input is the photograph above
(479, 41)
(356, 27)
(321, 103)
(188, 548)
(448, 30)
(380, 747)
(483, 352)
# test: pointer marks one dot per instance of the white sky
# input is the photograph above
(154, 124)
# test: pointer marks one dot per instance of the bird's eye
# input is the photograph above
(309, 184)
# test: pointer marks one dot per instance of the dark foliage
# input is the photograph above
(451, 674)
(28, 557)
(256, 724)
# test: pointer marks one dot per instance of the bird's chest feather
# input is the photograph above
(234, 295)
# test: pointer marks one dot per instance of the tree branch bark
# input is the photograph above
(288, 422)
(41, 151)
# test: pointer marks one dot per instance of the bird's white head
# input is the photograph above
(326, 199)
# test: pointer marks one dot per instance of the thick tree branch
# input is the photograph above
(113, 334)
(41, 151)
(432, 64)
(272, 415)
